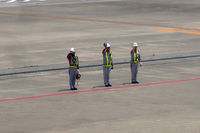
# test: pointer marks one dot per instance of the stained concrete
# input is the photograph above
(38, 35)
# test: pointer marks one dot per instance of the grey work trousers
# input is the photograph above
(72, 77)
(134, 71)
(106, 73)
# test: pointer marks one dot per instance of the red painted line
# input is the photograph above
(101, 89)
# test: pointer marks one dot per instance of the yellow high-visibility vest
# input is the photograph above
(76, 64)
(108, 64)
(135, 57)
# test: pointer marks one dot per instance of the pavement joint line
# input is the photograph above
(97, 65)
(100, 89)
(92, 20)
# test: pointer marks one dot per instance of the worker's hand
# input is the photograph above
(78, 71)
(112, 67)
(140, 63)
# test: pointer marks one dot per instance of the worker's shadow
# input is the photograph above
(99, 86)
(126, 83)
(61, 90)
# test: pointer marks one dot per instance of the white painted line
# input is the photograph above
(46, 2)
(78, 2)
(11, 1)
(26, 0)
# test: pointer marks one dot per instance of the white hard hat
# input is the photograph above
(72, 50)
(107, 45)
(135, 44)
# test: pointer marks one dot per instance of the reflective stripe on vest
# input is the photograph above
(108, 64)
(76, 64)
(135, 57)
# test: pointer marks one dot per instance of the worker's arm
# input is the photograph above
(140, 59)
(103, 51)
(78, 63)
(69, 59)
(112, 63)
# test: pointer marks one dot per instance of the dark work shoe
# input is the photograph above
(73, 88)
(109, 85)
(106, 85)
(135, 82)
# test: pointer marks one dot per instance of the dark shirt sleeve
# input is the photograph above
(131, 52)
(112, 63)
(103, 51)
(139, 57)
(78, 63)
(69, 59)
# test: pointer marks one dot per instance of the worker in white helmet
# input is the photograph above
(107, 64)
(135, 60)
(73, 68)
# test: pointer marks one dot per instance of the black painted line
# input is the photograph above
(98, 65)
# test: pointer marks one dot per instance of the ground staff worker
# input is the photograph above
(73, 68)
(135, 60)
(107, 64)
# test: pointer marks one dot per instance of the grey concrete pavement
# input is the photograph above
(34, 42)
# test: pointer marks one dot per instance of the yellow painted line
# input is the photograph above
(91, 20)
(179, 31)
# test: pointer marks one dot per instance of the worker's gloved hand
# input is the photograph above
(112, 67)
(140, 63)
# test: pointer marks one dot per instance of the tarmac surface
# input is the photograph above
(36, 36)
